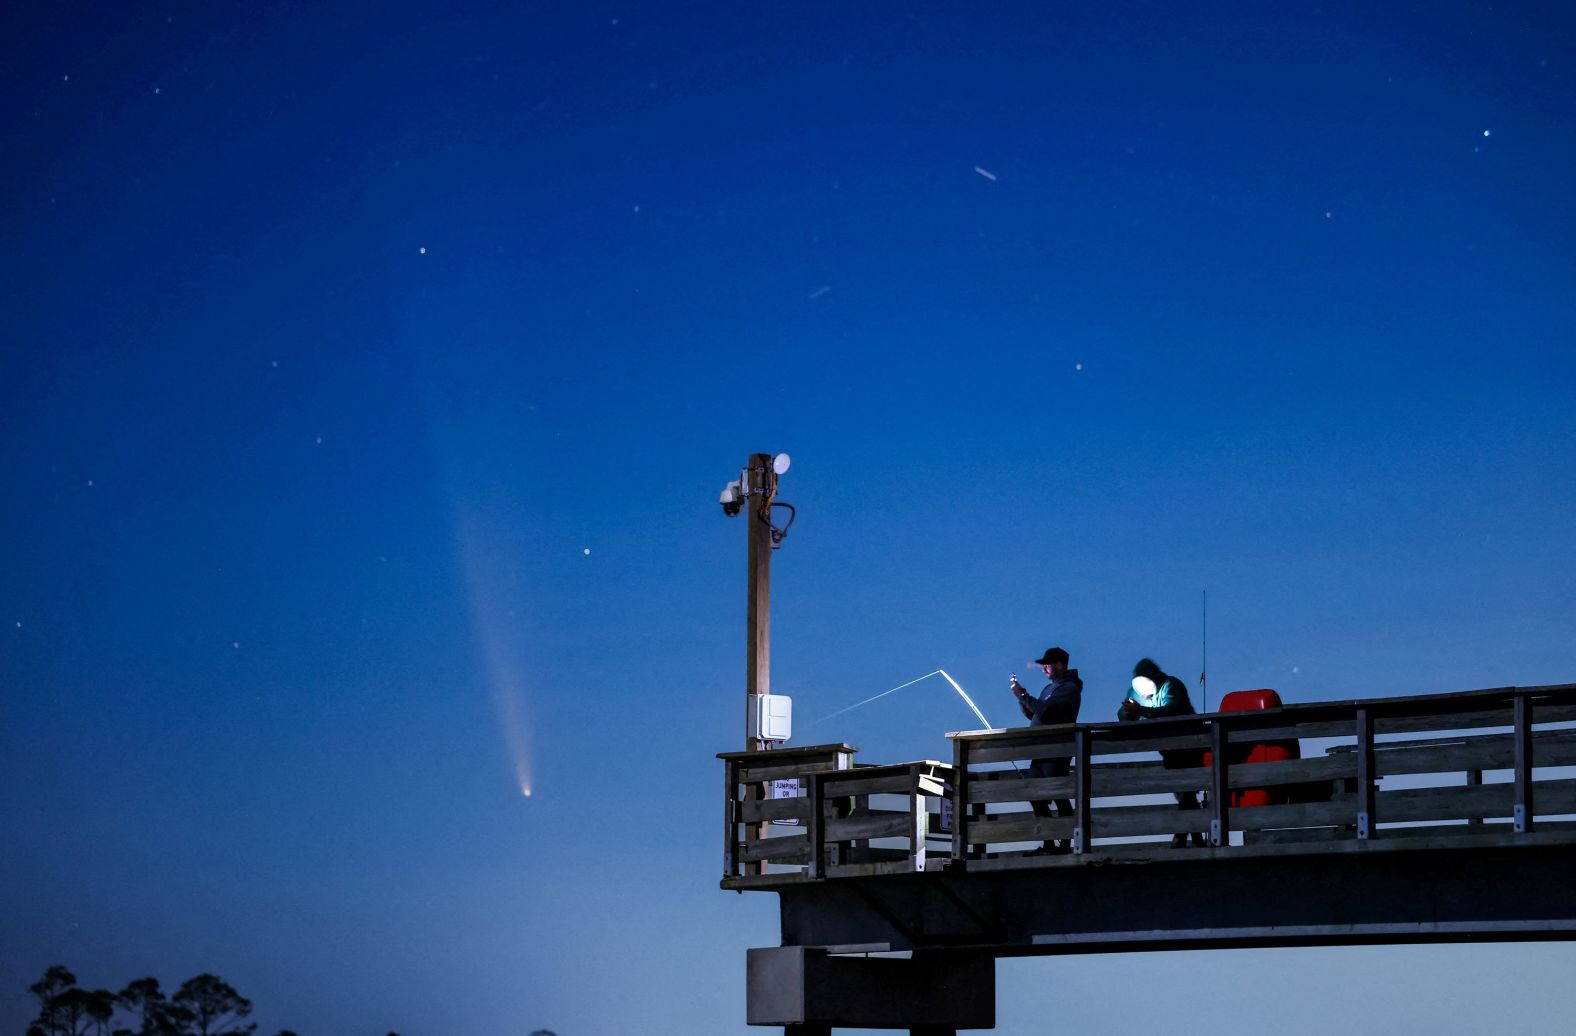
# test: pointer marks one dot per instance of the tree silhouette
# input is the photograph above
(216, 1008)
(85, 1012)
(66, 1010)
(206, 1005)
(57, 979)
(156, 1016)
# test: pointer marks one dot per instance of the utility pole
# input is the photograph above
(760, 486)
(752, 496)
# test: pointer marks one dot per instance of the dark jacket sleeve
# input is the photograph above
(1060, 706)
(1177, 701)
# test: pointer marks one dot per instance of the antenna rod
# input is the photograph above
(1203, 673)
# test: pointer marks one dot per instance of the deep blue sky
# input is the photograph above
(332, 340)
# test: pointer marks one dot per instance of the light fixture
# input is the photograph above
(780, 463)
(732, 498)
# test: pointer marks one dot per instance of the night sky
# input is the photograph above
(368, 375)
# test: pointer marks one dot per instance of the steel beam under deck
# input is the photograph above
(1362, 894)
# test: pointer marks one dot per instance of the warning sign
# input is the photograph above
(787, 788)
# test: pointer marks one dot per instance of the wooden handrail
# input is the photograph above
(1334, 795)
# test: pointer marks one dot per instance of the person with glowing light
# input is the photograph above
(1155, 694)
(1057, 703)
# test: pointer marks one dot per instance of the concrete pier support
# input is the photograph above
(809, 992)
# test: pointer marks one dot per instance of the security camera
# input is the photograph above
(732, 498)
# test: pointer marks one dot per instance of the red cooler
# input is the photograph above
(1257, 752)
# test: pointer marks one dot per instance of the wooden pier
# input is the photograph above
(1433, 818)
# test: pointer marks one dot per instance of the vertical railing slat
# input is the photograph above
(837, 853)
(1366, 820)
(1082, 833)
(1522, 815)
(730, 819)
(960, 799)
(1220, 785)
(816, 826)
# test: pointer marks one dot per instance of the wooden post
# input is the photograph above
(857, 846)
(1083, 837)
(1220, 784)
(960, 799)
(816, 827)
(730, 822)
(760, 483)
(1366, 821)
(1522, 813)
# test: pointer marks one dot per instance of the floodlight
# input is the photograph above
(780, 463)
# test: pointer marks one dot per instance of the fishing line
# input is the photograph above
(883, 694)
(934, 672)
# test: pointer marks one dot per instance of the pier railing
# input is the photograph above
(1461, 768)
(1363, 775)
(815, 808)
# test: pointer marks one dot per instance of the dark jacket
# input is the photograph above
(1170, 700)
(1058, 703)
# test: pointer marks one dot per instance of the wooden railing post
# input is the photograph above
(960, 799)
(730, 819)
(838, 852)
(1220, 785)
(921, 821)
(815, 827)
(861, 808)
(1082, 832)
(1366, 821)
(1522, 813)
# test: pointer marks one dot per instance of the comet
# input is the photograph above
(491, 599)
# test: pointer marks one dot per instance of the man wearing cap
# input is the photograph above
(1155, 694)
(1058, 703)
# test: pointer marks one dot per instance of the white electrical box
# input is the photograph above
(771, 717)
